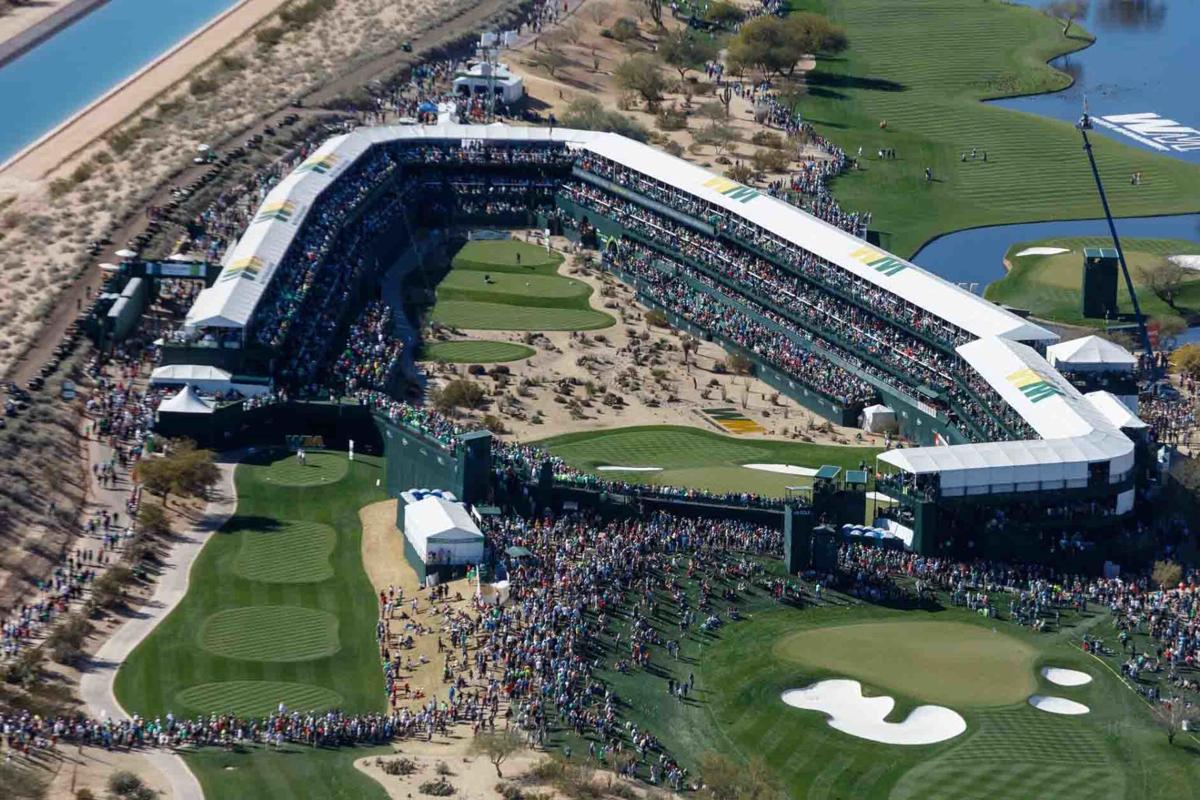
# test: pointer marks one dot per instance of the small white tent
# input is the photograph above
(186, 401)
(1090, 354)
(442, 532)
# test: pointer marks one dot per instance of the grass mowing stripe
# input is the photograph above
(924, 66)
(475, 352)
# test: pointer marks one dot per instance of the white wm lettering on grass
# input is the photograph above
(1153, 131)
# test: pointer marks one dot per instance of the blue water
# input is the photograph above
(977, 256)
(1145, 60)
(65, 73)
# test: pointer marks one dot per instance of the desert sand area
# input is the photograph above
(631, 373)
(75, 188)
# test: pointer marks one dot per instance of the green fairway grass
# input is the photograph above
(487, 290)
(320, 467)
(249, 635)
(924, 66)
(699, 459)
(1049, 286)
(944, 662)
(1010, 751)
(296, 772)
(475, 352)
(501, 254)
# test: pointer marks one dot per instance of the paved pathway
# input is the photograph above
(96, 685)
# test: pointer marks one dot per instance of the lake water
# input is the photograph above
(975, 258)
(1144, 62)
(65, 73)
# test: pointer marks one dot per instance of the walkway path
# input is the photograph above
(96, 685)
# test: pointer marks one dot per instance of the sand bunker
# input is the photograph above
(1065, 677)
(613, 468)
(1043, 251)
(850, 712)
(785, 469)
(1057, 705)
(1187, 262)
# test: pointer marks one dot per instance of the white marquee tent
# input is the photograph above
(442, 532)
(1090, 354)
(186, 401)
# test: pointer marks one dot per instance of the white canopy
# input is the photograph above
(442, 532)
(1075, 433)
(187, 401)
(188, 373)
(878, 418)
(1090, 354)
(1115, 410)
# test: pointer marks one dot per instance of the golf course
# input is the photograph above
(924, 68)
(1048, 285)
(279, 610)
(513, 286)
(475, 352)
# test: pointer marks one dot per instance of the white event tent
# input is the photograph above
(441, 532)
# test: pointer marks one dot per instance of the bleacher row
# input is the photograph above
(832, 331)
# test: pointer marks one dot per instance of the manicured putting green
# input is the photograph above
(473, 315)
(1049, 285)
(476, 352)
(271, 633)
(502, 253)
(950, 663)
(293, 551)
(258, 698)
(282, 469)
(517, 285)
(700, 459)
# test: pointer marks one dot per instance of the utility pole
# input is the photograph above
(1084, 125)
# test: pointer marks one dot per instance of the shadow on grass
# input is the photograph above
(250, 524)
(828, 81)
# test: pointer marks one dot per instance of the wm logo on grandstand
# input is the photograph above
(879, 260)
(1032, 385)
(244, 268)
(276, 212)
(731, 189)
(318, 164)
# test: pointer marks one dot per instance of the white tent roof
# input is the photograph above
(1090, 351)
(1075, 433)
(1117, 412)
(251, 263)
(439, 521)
(188, 373)
(186, 402)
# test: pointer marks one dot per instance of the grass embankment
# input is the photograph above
(279, 610)
(924, 66)
(1049, 285)
(700, 459)
(513, 286)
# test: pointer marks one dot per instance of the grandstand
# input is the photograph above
(826, 318)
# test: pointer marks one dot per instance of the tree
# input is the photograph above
(196, 472)
(683, 49)
(1187, 360)
(654, 7)
(598, 11)
(1164, 278)
(641, 74)
(459, 393)
(496, 747)
(18, 782)
(126, 785)
(549, 59)
(1067, 11)
(624, 30)
(158, 475)
(1170, 717)
(589, 114)
(777, 45)
(1167, 574)
(689, 344)
(738, 364)
(724, 14)
(152, 520)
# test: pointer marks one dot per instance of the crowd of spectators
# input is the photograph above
(371, 353)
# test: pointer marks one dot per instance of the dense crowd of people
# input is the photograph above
(371, 354)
